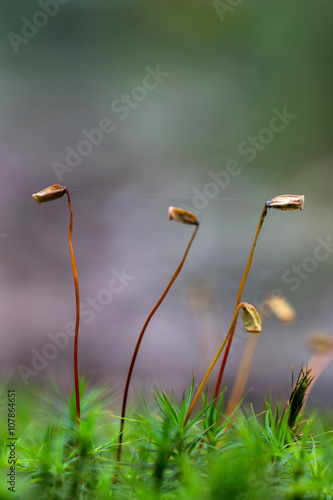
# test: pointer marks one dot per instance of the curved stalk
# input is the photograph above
(239, 297)
(284, 312)
(136, 350)
(49, 194)
(283, 202)
(245, 365)
(77, 320)
(213, 363)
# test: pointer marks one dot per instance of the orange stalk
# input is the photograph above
(213, 363)
(286, 314)
(136, 350)
(239, 298)
(77, 320)
(49, 194)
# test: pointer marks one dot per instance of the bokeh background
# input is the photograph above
(226, 68)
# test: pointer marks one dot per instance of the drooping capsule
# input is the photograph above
(183, 216)
(251, 318)
(49, 194)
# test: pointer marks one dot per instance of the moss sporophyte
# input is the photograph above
(49, 194)
(252, 319)
(285, 313)
(281, 202)
(184, 217)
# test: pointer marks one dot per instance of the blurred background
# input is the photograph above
(136, 106)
